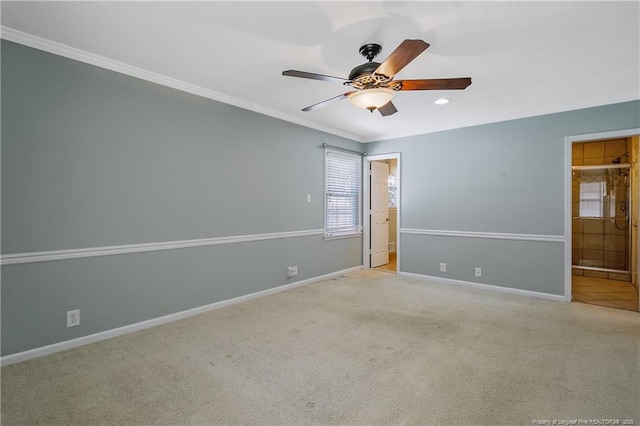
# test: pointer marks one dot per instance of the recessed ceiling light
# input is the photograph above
(442, 101)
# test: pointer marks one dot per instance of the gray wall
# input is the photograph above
(93, 158)
(504, 177)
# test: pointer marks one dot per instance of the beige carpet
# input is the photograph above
(373, 348)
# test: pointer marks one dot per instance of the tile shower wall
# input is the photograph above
(599, 243)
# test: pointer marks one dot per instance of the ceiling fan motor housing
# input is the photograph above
(361, 77)
(363, 70)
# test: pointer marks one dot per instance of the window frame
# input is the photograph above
(356, 159)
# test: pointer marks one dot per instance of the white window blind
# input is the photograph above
(342, 193)
(591, 199)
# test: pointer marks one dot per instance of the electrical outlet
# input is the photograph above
(73, 318)
(478, 272)
(308, 198)
(292, 271)
(443, 267)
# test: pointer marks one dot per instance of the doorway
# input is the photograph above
(382, 212)
(603, 215)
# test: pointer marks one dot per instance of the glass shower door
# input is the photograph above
(601, 208)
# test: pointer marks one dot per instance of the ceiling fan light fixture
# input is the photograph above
(372, 99)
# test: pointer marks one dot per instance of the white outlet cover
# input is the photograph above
(292, 271)
(73, 318)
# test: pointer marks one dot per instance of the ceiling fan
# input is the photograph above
(374, 83)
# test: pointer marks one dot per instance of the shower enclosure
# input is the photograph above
(601, 206)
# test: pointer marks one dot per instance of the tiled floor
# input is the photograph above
(389, 267)
(604, 292)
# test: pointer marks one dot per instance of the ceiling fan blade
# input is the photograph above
(399, 58)
(387, 109)
(328, 101)
(312, 76)
(436, 84)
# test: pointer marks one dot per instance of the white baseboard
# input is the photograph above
(103, 335)
(495, 288)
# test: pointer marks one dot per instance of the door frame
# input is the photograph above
(568, 157)
(366, 211)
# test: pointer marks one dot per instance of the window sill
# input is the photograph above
(341, 236)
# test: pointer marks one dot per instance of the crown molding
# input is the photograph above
(513, 115)
(60, 49)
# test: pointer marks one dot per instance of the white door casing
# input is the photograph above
(635, 209)
(568, 142)
(379, 213)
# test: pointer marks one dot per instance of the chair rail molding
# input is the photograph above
(46, 256)
(489, 235)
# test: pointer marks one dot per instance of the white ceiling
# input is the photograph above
(525, 58)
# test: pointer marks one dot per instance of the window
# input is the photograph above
(342, 193)
(393, 190)
(591, 197)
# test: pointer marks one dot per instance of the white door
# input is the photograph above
(379, 213)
